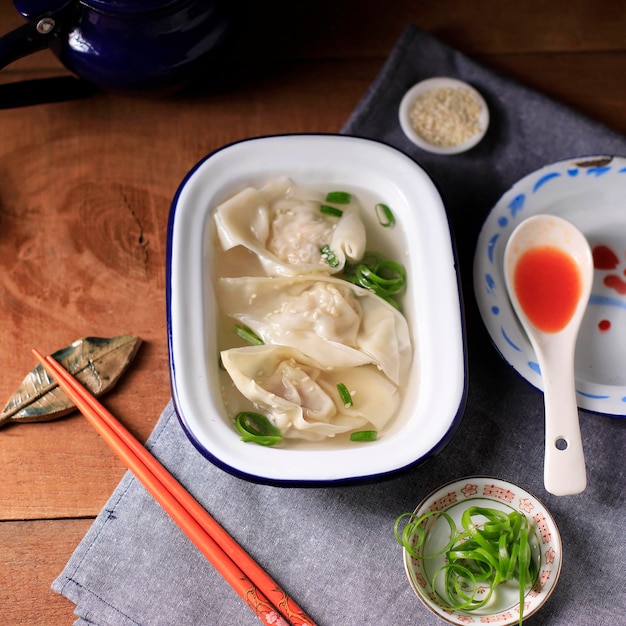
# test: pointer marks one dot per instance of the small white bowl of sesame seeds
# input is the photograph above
(444, 115)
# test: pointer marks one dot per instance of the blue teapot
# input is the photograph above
(127, 45)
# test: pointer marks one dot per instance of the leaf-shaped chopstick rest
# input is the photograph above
(96, 362)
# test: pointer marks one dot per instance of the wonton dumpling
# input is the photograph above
(333, 321)
(285, 228)
(301, 398)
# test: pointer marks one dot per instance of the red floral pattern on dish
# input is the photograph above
(498, 492)
(469, 490)
(526, 505)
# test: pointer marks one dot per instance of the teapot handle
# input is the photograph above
(25, 40)
(44, 19)
(31, 37)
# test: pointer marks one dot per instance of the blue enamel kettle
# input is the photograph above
(126, 45)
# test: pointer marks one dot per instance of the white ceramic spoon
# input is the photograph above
(564, 463)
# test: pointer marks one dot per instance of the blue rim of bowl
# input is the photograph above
(356, 480)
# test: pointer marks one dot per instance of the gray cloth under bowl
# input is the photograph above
(333, 548)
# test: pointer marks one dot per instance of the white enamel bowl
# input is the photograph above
(436, 392)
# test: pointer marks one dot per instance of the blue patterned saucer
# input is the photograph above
(591, 194)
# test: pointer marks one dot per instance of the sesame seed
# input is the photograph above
(447, 116)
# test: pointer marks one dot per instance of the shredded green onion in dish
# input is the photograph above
(385, 278)
(338, 197)
(480, 555)
(344, 394)
(329, 255)
(331, 210)
(364, 435)
(256, 428)
(413, 534)
(248, 335)
(385, 215)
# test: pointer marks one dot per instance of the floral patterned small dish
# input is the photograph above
(455, 498)
(590, 193)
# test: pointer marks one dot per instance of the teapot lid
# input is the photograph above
(130, 6)
(33, 9)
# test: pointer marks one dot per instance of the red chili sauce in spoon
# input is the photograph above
(548, 286)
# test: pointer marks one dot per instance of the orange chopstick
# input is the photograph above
(246, 577)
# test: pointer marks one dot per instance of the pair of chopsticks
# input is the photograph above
(247, 578)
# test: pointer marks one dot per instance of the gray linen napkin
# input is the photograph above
(332, 548)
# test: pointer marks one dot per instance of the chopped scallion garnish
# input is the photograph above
(345, 395)
(364, 435)
(256, 428)
(486, 552)
(330, 210)
(414, 535)
(338, 197)
(385, 215)
(248, 335)
(385, 278)
(329, 255)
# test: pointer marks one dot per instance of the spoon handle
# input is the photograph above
(564, 463)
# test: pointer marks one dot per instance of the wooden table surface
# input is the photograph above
(86, 186)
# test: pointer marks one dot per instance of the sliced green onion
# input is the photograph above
(345, 395)
(524, 560)
(364, 435)
(385, 278)
(385, 215)
(330, 210)
(248, 335)
(329, 255)
(482, 554)
(414, 533)
(256, 428)
(338, 197)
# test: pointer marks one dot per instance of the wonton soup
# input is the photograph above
(313, 343)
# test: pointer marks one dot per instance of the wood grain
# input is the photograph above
(85, 191)
(33, 553)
